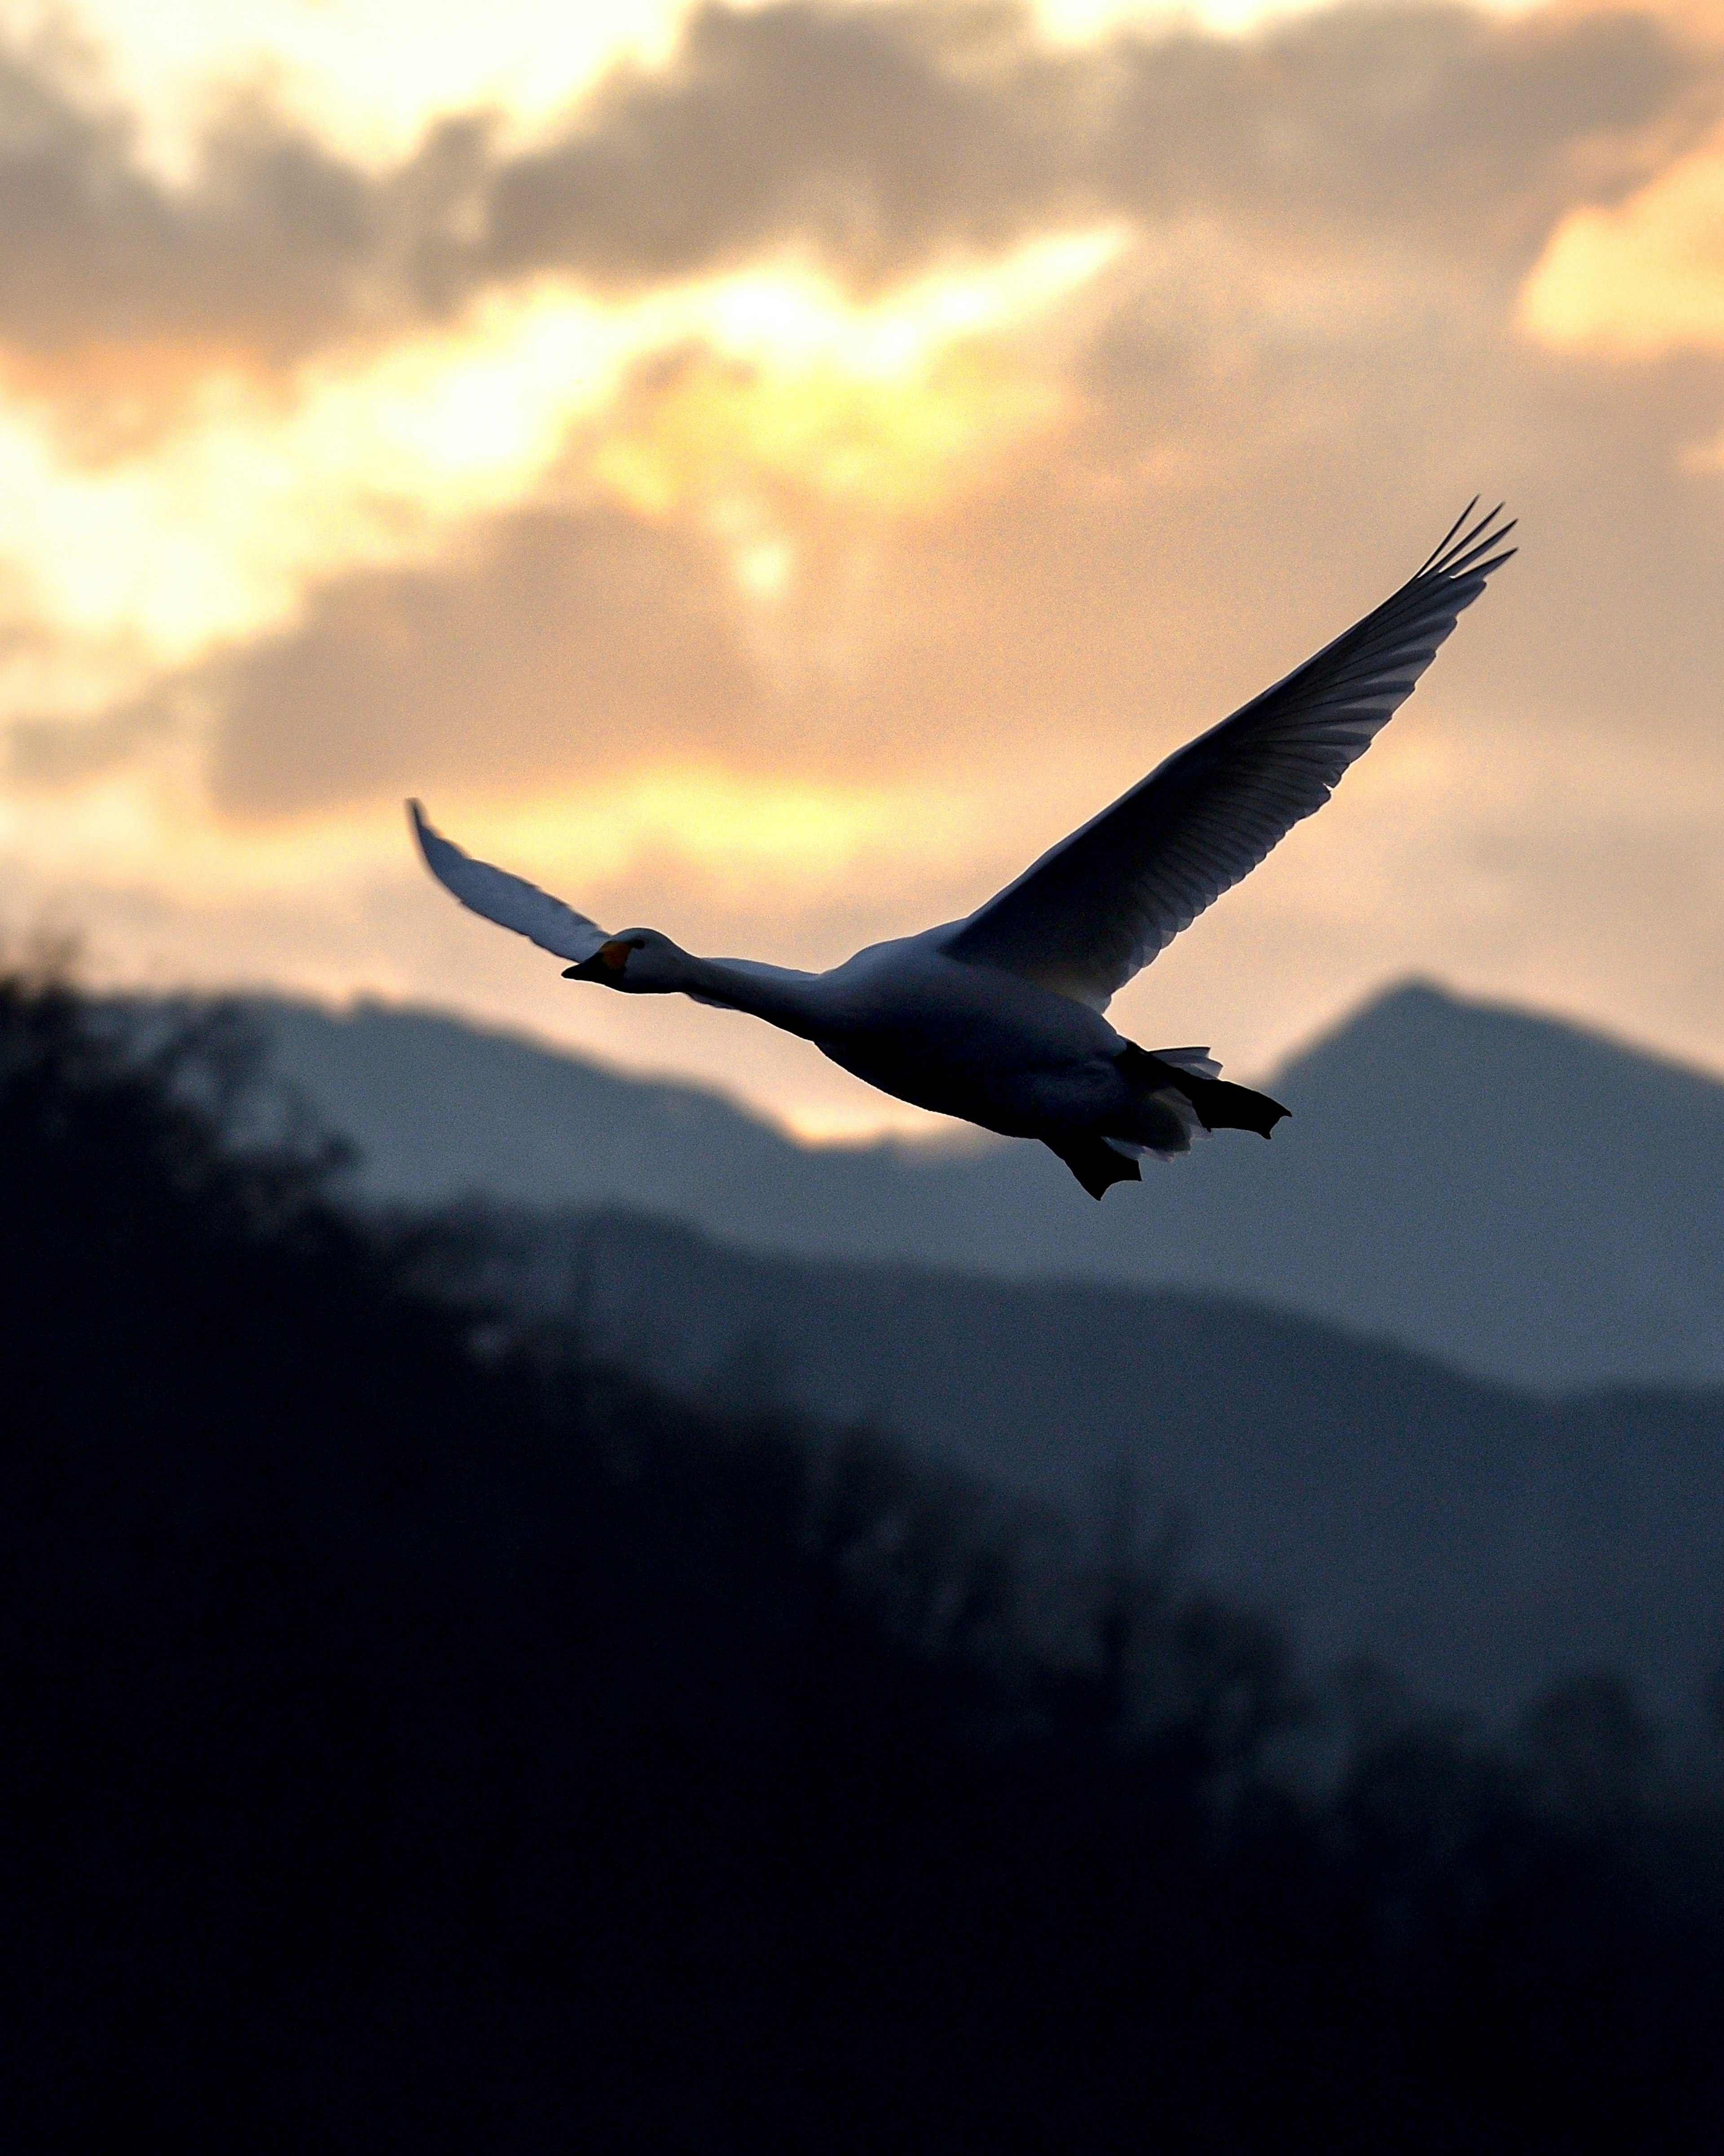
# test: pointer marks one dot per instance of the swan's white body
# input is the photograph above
(998, 1018)
(963, 1040)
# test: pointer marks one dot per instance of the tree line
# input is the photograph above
(416, 1734)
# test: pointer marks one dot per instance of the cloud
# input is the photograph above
(813, 628)
(1639, 279)
(49, 754)
(270, 249)
(573, 647)
(1226, 451)
(881, 138)
(878, 136)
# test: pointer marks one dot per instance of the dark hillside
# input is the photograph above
(1485, 1543)
(413, 1736)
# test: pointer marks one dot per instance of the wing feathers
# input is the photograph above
(1102, 904)
(509, 900)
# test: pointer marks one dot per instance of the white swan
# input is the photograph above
(998, 1018)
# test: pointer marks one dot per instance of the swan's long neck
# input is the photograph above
(781, 996)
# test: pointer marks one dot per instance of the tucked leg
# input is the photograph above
(1096, 1164)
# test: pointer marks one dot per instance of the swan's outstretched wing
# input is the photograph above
(509, 900)
(1102, 903)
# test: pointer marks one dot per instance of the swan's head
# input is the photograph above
(640, 961)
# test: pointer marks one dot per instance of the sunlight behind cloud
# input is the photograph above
(1641, 279)
(214, 532)
(146, 561)
(796, 317)
(854, 440)
(733, 832)
(889, 407)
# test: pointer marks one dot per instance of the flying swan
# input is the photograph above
(999, 1017)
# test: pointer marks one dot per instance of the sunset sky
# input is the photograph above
(767, 472)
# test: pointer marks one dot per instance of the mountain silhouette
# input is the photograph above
(1508, 1192)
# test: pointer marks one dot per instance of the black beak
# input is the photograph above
(606, 964)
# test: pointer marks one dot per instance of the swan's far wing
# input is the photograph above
(1102, 903)
(509, 900)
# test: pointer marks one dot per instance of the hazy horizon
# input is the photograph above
(919, 1130)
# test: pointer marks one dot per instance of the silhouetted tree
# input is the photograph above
(414, 1733)
(1592, 1751)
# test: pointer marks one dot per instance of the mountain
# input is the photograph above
(1481, 1543)
(1504, 1192)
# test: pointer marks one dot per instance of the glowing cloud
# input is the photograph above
(895, 491)
(147, 559)
(730, 832)
(1640, 279)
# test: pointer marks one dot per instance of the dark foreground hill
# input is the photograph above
(1485, 1544)
(413, 1736)
(1507, 1194)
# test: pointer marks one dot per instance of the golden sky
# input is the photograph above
(767, 472)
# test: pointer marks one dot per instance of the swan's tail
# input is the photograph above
(1191, 1076)
(1176, 1092)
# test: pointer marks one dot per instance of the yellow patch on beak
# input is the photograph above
(613, 956)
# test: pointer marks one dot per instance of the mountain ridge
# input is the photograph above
(1503, 1191)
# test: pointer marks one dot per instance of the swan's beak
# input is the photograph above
(606, 964)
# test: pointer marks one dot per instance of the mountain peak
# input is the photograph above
(1503, 1189)
(1423, 1026)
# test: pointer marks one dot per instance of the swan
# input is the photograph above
(1000, 1018)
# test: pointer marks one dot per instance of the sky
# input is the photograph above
(768, 473)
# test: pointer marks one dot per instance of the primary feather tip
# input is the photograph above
(431, 841)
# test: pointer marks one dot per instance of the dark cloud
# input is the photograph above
(880, 136)
(1428, 123)
(266, 249)
(569, 644)
(276, 246)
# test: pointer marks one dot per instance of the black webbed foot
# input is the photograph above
(1096, 1164)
